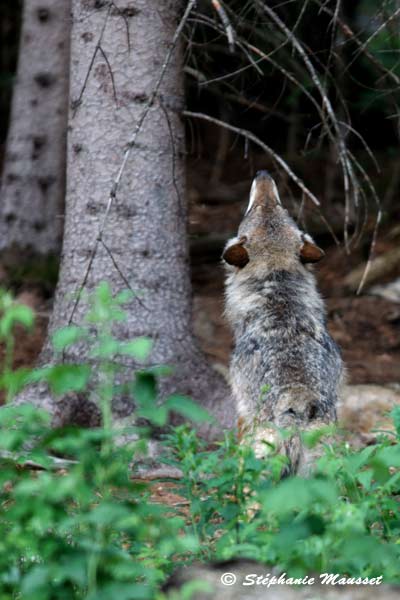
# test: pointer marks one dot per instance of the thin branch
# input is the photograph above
(124, 279)
(348, 174)
(126, 21)
(374, 34)
(334, 21)
(78, 101)
(104, 55)
(84, 282)
(253, 138)
(364, 143)
(373, 192)
(230, 33)
(116, 183)
(232, 73)
(349, 33)
(371, 253)
(332, 126)
(171, 137)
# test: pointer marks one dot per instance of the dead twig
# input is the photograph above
(371, 254)
(347, 170)
(253, 138)
(173, 154)
(104, 55)
(349, 33)
(124, 279)
(230, 33)
(373, 35)
(78, 101)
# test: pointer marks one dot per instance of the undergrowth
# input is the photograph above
(81, 526)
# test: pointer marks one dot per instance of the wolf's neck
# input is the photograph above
(275, 296)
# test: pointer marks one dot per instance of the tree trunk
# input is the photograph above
(33, 182)
(117, 57)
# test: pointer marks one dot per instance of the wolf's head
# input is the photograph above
(267, 235)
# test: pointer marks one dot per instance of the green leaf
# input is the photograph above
(22, 414)
(395, 414)
(123, 591)
(17, 313)
(139, 348)
(67, 336)
(187, 408)
(103, 293)
(106, 347)
(298, 494)
(124, 297)
(108, 513)
(158, 415)
(14, 381)
(145, 389)
(67, 378)
(312, 438)
(365, 478)
(35, 578)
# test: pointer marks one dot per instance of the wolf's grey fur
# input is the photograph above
(285, 367)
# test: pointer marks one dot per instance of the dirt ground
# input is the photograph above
(367, 328)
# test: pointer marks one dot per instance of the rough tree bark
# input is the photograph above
(117, 56)
(33, 182)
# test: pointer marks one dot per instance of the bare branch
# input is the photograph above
(104, 55)
(119, 271)
(371, 253)
(171, 137)
(253, 138)
(126, 21)
(230, 33)
(349, 33)
(374, 34)
(78, 101)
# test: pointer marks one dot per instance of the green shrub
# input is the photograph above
(343, 519)
(83, 528)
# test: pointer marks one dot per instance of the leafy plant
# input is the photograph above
(12, 315)
(342, 519)
(88, 530)
(80, 527)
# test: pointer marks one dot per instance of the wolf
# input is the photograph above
(285, 368)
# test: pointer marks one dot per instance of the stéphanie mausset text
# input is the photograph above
(324, 578)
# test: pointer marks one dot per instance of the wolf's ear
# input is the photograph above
(310, 252)
(235, 253)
